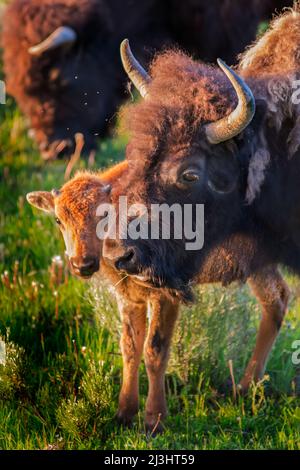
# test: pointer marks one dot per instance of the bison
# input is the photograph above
(75, 210)
(60, 63)
(218, 28)
(228, 140)
(61, 57)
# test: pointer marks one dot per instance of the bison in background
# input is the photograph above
(212, 29)
(61, 63)
(61, 57)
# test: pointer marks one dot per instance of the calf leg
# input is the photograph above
(273, 294)
(132, 341)
(163, 318)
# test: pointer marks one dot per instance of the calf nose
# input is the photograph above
(85, 266)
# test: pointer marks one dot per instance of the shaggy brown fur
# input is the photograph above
(75, 207)
(50, 88)
(167, 130)
(26, 77)
(184, 95)
(271, 66)
(45, 86)
(277, 51)
(254, 223)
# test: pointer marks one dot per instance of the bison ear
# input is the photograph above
(42, 200)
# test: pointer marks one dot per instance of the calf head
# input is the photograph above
(188, 145)
(74, 207)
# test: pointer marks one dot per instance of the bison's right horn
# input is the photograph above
(60, 37)
(134, 70)
(229, 126)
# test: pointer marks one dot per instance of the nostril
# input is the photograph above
(85, 266)
(126, 261)
(129, 256)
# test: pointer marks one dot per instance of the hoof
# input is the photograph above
(153, 425)
(226, 388)
(124, 418)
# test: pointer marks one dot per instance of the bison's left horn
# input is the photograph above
(230, 126)
(60, 37)
(134, 70)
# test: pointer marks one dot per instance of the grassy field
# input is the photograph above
(60, 383)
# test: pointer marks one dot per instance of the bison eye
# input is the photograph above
(190, 177)
(58, 221)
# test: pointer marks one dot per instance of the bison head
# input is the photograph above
(56, 61)
(189, 145)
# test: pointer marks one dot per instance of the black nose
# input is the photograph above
(85, 266)
(128, 262)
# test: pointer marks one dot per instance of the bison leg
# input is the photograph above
(163, 318)
(132, 341)
(273, 295)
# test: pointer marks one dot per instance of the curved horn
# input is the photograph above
(61, 36)
(134, 70)
(232, 125)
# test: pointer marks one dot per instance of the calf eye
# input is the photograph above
(190, 177)
(58, 221)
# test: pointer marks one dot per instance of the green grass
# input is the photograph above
(60, 384)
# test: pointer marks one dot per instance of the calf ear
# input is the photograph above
(42, 200)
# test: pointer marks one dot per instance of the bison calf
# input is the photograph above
(74, 208)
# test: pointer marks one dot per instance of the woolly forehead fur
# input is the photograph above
(184, 95)
(79, 197)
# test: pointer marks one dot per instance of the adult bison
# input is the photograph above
(178, 153)
(75, 207)
(60, 62)
(218, 28)
(202, 135)
(61, 56)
